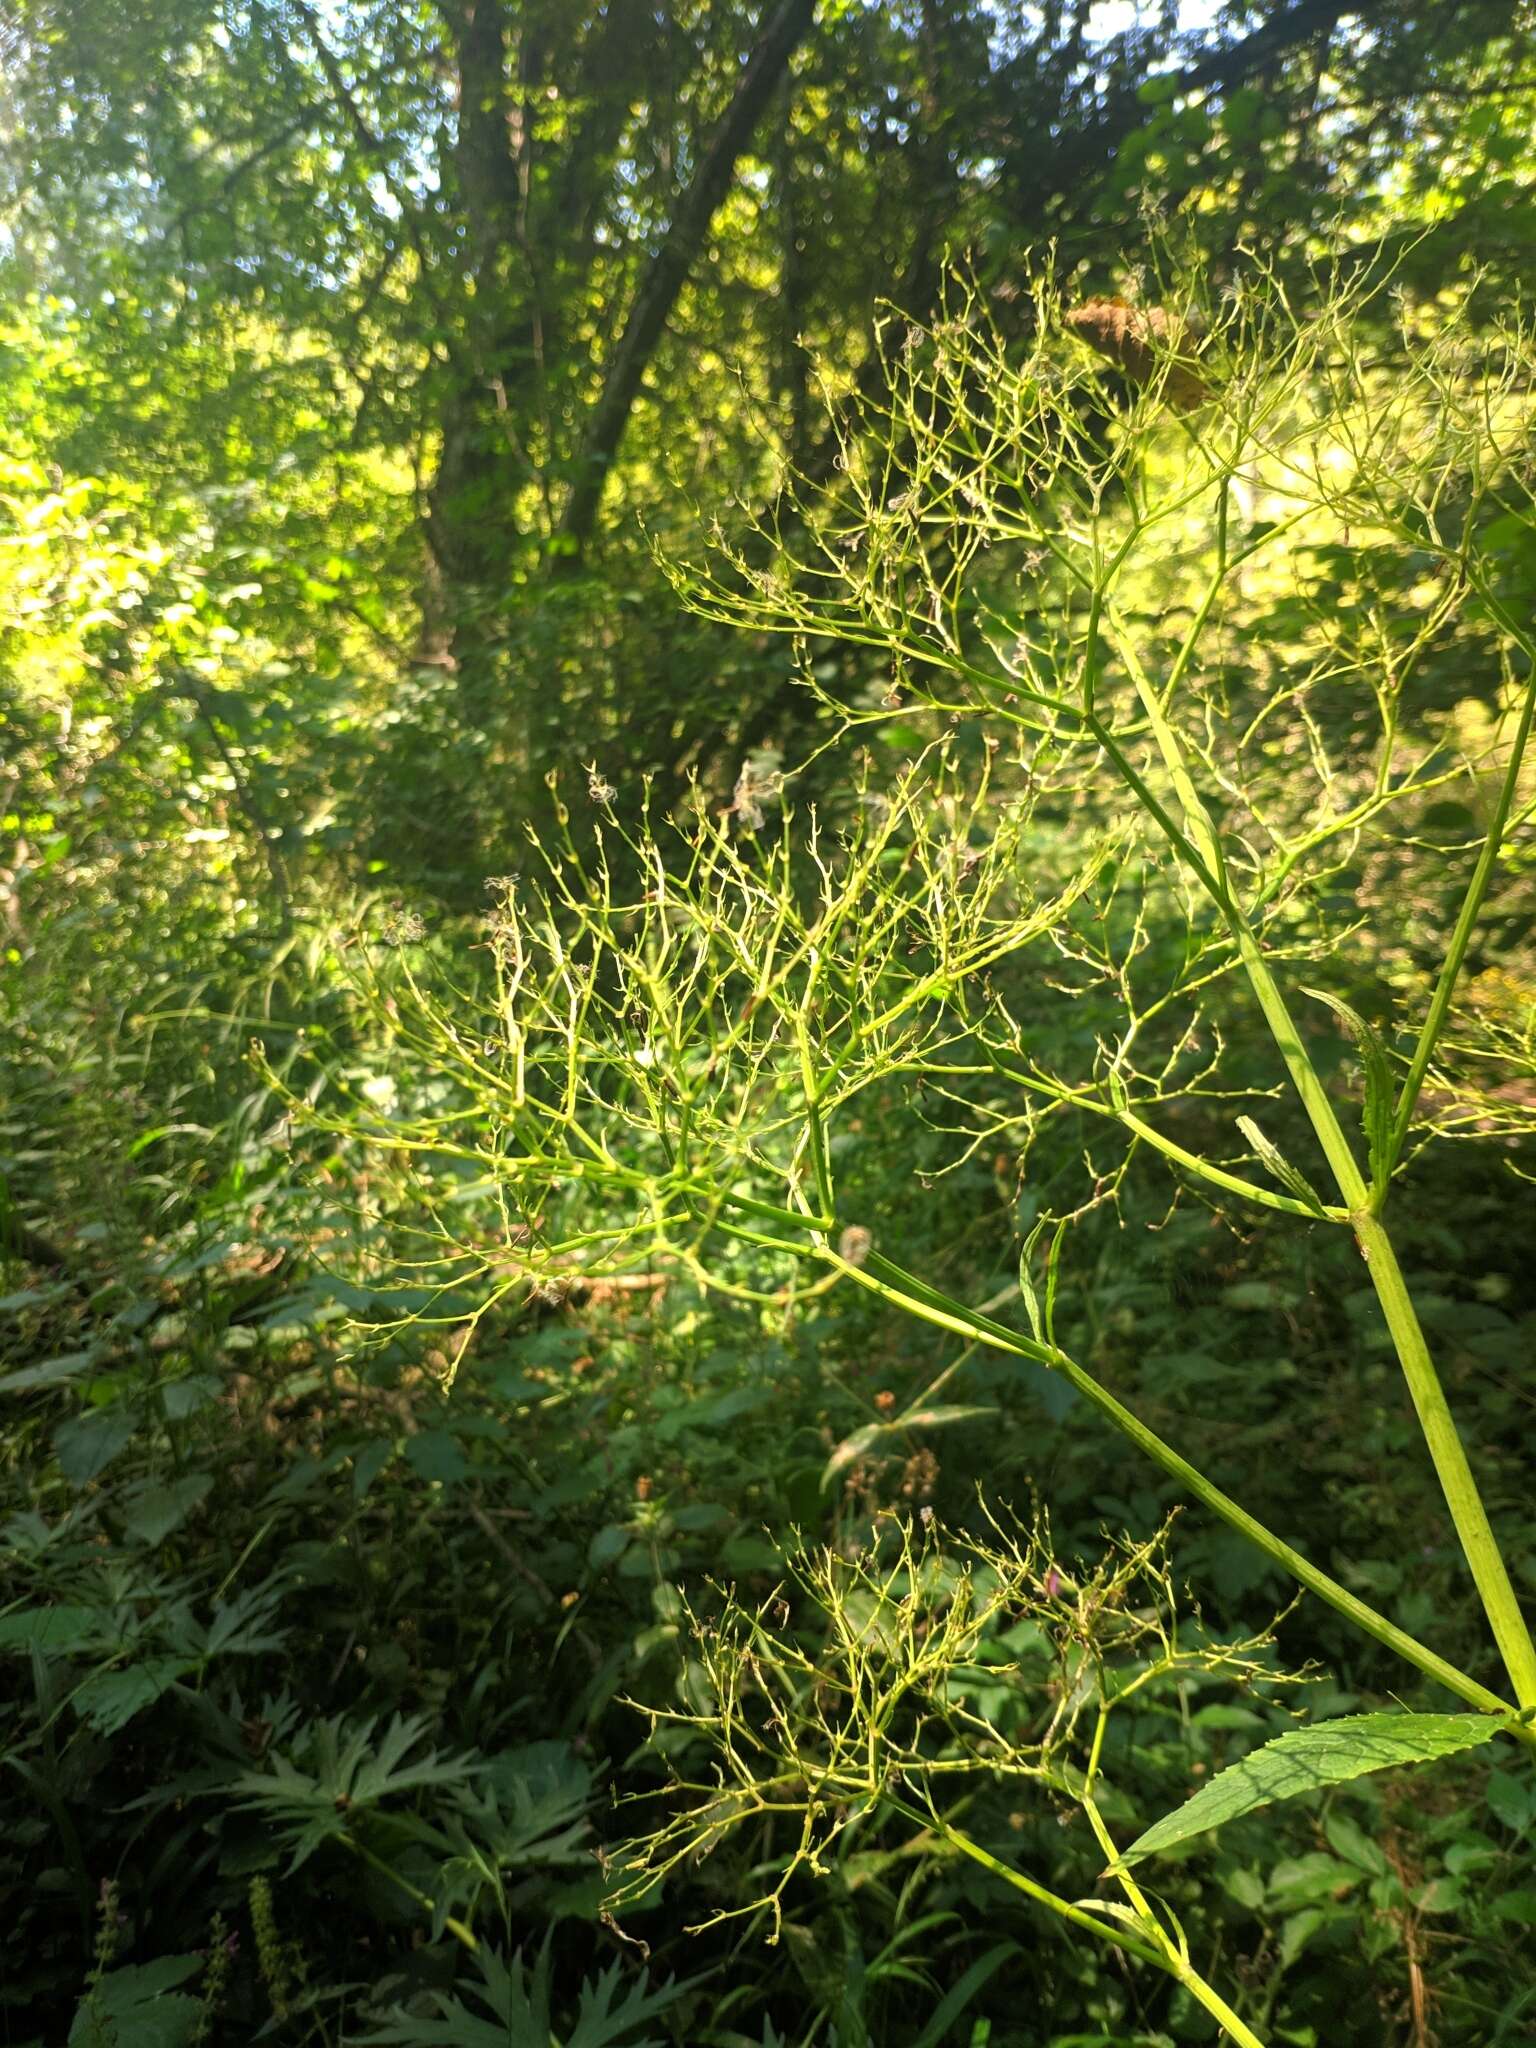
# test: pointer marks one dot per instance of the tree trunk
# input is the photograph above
(785, 29)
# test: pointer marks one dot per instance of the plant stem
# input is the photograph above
(1466, 921)
(1211, 870)
(908, 1292)
(1153, 1948)
(1217, 2007)
(957, 1838)
(1445, 1447)
(460, 1932)
(1478, 1542)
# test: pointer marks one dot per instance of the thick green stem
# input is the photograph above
(1175, 1963)
(913, 1295)
(1478, 1542)
(1445, 1447)
(1217, 2007)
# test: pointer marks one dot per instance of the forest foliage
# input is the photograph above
(767, 1023)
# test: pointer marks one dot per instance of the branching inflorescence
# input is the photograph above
(1180, 665)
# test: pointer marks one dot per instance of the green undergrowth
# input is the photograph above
(321, 1682)
(493, 1546)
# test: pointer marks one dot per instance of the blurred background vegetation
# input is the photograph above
(355, 361)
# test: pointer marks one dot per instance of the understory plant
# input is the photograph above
(1164, 593)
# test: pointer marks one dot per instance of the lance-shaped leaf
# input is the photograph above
(1376, 1115)
(1330, 1753)
(1042, 1321)
(1269, 1153)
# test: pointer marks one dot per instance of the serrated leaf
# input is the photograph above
(1377, 1113)
(63, 1630)
(1270, 1155)
(139, 2007)
(1330, 1753)
(108, 1700)
(519, 2002)
(340, 1769)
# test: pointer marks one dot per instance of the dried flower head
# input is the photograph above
(1140, 339)
(855, 1245)
(757, 784)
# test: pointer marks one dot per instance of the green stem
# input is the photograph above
(1193, 1162)
(821, 1168)
(1479, 1545)
(1175, 1963)
(1445, 1447)
(455, 1927)
(1217, 2006)
(1461, 937)
(881, 1277)
(957, 1838)
(1211, 869)
(1153, 1948)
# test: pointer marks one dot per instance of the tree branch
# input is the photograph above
(673, 260)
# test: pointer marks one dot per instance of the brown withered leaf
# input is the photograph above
(1138, 339)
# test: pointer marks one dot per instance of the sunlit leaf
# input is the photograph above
(1331, 1753)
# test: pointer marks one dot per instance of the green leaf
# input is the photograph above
(1330, 1753)
(153, 1511)
(33, 1297)
(1041, 1321)
(1350, 1841)
(518, 2002)
(186, 1396)
(108, 1700)
(436, 1455)
(941, 1417)
(62, 1630)
(609, 1544)
(369, 1462)
(960, 1994)
(1270, 1155)
(88, 1444)
(1258, 1294)
(140, 2008)
(1246, 1887)
(52, 1372)
(1511, 1800)
(1377, 1115)
(338, 1769)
